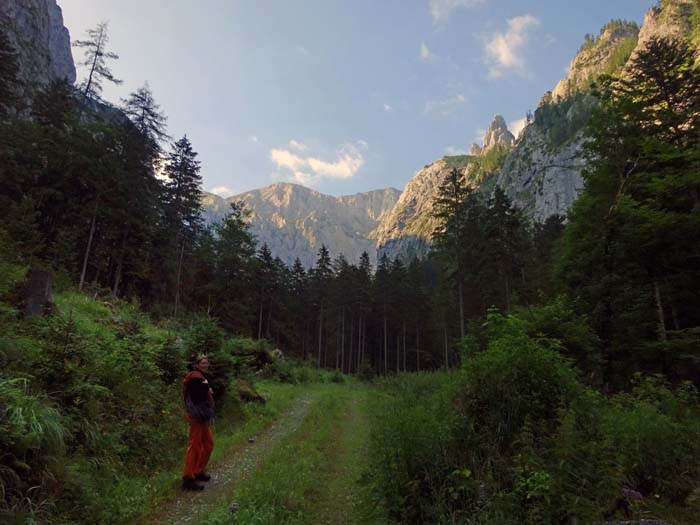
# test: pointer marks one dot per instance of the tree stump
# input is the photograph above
(35, 293)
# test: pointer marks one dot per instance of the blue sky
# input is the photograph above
(341, 96)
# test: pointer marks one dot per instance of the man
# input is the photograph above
(199, 407)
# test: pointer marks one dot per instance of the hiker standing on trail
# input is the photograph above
(199, 407)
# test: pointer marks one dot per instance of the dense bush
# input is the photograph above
(516, 437)
(89, 399)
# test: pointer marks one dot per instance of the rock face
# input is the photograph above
(671, 19)
(542, 180)
(295, 221)
(598, 55)
(35, 28)
(497, 133)
(542, 173)
(407, 229)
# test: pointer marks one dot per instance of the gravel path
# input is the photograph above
(188, 505)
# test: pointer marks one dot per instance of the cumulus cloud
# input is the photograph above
(425, 53)
(310, 170)
(445, 107)
(221, 191)
(441, 9)
(504, 50)
(517, 126)
(297, 145)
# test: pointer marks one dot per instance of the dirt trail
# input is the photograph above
(189, 505)
(342, 501)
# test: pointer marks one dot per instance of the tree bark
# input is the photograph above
(120, 264)
(386, 342)
(404, 346)
(320, 334)
(417, 350)
(342, 341)
(179, 277)
(260, 317)
(398, 354)
(447, 360)
(661, 321)
(87, 249)
(352, 334)
(461, 309)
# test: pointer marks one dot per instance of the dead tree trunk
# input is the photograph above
(120, 263)
(447, 361)
(179, 277)
(661, 321)
(417, 350)
(87, 249)
(320, 334)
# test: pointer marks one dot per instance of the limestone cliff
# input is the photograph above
(295, 221)
(35, 28)
(542, 172)
(407, 229)
(603, 54)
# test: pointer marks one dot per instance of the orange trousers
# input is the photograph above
(199, 447)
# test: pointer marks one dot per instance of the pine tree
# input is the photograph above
(266, 281)
(182, 203)
(149, 120)
(322, 274)
(95, 60)
(232, 288)
(628, 253)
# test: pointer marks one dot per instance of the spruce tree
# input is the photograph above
(182, 204)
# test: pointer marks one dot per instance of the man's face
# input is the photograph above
(203, 365)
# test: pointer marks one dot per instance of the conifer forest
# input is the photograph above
(516, 371)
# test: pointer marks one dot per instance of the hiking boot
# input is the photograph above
(202, 477)
(191, 484)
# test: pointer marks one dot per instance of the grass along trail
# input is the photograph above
(313, 474)
(343, 499)
(229, 471)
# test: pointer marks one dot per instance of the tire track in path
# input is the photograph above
(189, 505)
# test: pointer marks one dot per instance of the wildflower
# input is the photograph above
(631, 493)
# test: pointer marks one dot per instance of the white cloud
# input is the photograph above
(425, 53)
(517, 126)
(286, 159)
(453, 150)
(302, 50)
(388, 108)
(503, 50)
(445, 107)
(310, 170)
(299, 146)
(255, 138)
(221, 191)
(441, 9)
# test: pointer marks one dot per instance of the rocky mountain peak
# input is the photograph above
(497, 133)
(605, 53)
(35, 29)
(671, 19)
(475, 150)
